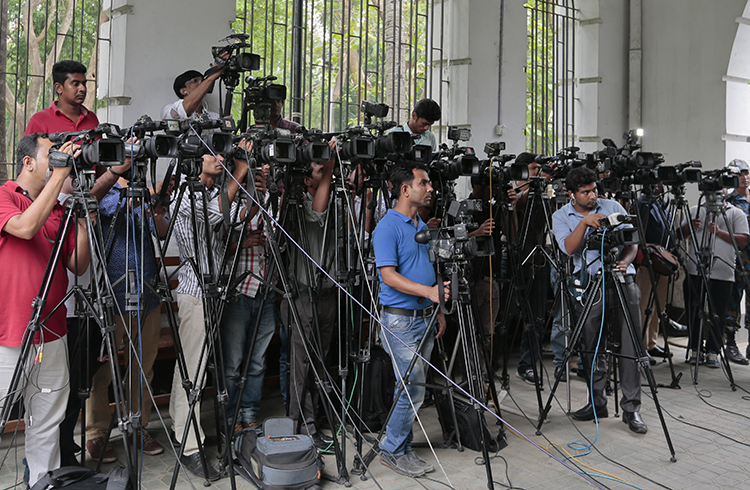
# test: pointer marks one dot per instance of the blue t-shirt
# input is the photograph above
(394, 245)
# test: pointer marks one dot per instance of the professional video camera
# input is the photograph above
(449, 163)
(99, 146)
(498, 167)
(611, 235)
(680, 174)
(716, 180)
(232, 59)
(153, 147)
(453, 243)
(258, 96)
(199, 137)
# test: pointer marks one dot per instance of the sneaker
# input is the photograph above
(527, 376)
(400, 464)
(150, 446)
(419, 462)
(712, 360)
(695, 357)
(734, 355)
(95, 447)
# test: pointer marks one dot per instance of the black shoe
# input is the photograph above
(560, 372)
(587, 413)
(527, 375)
(193, 464)
(659, 352)
(675, 329)
(322, 442)
(635, 422)
(734, 355)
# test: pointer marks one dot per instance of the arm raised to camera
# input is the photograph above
(194, 99)
(27, 224)
(78, 260)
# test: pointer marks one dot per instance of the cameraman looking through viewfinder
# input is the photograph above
(426, 113)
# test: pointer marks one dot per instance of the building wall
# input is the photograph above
(152, 43)
(686, 52)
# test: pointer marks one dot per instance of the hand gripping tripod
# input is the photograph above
(595, 304)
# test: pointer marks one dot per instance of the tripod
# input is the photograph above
(709, 267)
(595, 295)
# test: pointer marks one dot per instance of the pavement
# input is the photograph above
(707, 423)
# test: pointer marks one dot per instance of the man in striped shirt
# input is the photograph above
(189, 230)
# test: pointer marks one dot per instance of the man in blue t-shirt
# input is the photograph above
(408, 290)
(571, 225)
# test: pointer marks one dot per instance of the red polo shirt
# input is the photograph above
(23, 263)
(52, 120)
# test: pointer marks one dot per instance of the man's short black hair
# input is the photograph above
(525, 158)
(428, 109)
(63, 68)
(181, 80)
(27, 147)
(578, 177)
(403, 173)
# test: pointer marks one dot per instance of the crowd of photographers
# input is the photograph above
(511, 238)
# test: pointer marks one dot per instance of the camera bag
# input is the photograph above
(663, 261)
(278, 460)
(468, 425)
(378, 387)
(79, 478)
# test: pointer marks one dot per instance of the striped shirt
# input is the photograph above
(188, 282)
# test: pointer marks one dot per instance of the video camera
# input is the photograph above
(150, 148)
(233, 60)
(680, 174)
(450, 163)
(99, 146)
(459, 247)
(259, 93)
(717, 180)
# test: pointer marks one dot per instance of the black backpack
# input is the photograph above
(278, 460)
(379, 385)
(79, 478)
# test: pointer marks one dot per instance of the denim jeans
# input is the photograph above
(557, 337)
(237, 333)
(410, 330)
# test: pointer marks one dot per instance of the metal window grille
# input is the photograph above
(36, 34)
(550, 75)
(333, 54)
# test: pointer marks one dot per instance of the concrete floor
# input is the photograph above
(709, 425)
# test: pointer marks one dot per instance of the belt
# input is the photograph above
(405, 312)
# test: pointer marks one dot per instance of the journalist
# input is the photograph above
(571, 225)
(408, 292)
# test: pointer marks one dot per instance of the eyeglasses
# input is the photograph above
(194, 80)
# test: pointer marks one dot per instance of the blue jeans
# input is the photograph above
(557, 337)
(237, 333)
(410, 330)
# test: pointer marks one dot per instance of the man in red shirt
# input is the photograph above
(67, 113)
(30, 218)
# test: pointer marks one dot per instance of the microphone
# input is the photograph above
(616, 219)
(422, 237)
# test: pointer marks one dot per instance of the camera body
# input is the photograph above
(99, 146)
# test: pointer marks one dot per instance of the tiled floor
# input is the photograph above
(709, 425)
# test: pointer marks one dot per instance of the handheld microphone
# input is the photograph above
(616, 219)
(422, 237)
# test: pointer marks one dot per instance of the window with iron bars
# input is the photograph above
(349, 50)
(550, 75)
(36, 34)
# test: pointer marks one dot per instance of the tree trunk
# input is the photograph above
(395, 59)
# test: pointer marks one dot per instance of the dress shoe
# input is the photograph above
(322, 442)
(559, 372)
(193, 464)
(587, 413)
(734, 355)
(635, 422)
(659, 352)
